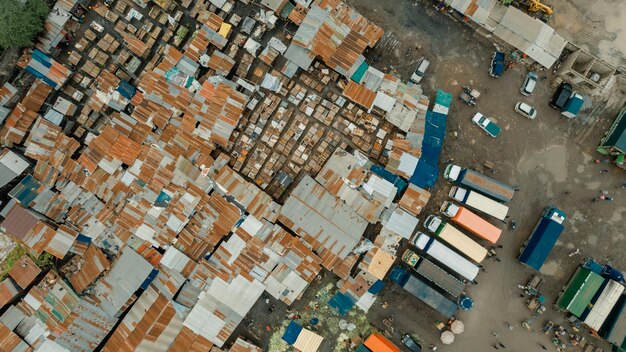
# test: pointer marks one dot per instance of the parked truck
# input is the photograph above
(573, 105)
(434, 273)
(423, 292)
(479, 202)
(471, 222)
(479, 182)
(447, 256)
(455, 238)
(543, 238)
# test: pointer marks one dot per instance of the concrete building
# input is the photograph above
(587, 72)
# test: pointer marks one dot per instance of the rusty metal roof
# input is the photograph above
(24, 271)
(325, 222)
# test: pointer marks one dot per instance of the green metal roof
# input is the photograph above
(580, 290)
(617, 134)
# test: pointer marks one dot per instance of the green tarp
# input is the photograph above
(580, 290)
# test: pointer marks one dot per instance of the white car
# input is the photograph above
(529, 84)
(420, 71)
(526, 110)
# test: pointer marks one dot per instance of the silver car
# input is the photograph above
(529, 84)
(526, 110)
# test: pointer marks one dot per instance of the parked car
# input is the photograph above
(526, 110)
(529, 84)
(486, 124)
(561, 96)
(420, 71)
(411, 344)
(497, 64)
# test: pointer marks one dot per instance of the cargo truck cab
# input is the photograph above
(452, 172)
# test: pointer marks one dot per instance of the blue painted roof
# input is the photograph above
(291, 333)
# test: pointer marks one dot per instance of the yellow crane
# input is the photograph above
(536, 5)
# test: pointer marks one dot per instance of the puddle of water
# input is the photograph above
(552, 159)
(550, 268)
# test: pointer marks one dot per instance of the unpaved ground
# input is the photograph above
(599, 26)
(545, 158)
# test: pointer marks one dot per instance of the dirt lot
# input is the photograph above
(546, 158)
(596, 25)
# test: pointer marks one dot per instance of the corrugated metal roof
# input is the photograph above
(533, 37)
(10, 341)
(414, 199)
(84, 269)
(400, 222)
(128, 273)
(8, 290)
(323, 221)
(308, 341)
(242, 345)
(19, 221)
(152, 324)
(11, 166)
(24, 271)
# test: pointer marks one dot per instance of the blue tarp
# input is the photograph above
(376, 287)
(41, 76)
(82, 238)
(126, 89)
(425, 175)
(342, 302)
(291, 333)
(427, 170)
(397, 181)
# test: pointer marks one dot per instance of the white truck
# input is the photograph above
(479, 202)
(447, 257)
(455, 238)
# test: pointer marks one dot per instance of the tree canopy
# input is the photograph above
(20, 23)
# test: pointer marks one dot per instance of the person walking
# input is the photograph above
(543, 347)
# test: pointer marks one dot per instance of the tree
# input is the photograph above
(20, 23)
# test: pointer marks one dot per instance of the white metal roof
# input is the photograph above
(530, 35)
(604, 305)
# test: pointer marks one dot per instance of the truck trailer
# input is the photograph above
(423, 292)
(479, 202)
(543, 238)
(434, 273)
(471, 222)
(479, 182)
(447, 257)
(456, 238)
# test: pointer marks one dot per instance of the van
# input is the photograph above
(420, 71)
(561, 96)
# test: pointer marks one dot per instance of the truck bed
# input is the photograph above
(440, 277)
(430, 296)
(487, 185)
